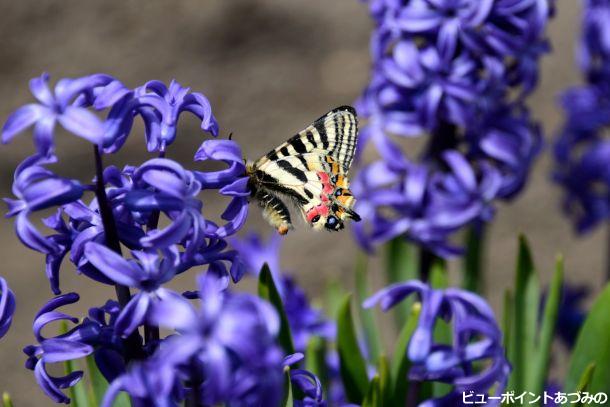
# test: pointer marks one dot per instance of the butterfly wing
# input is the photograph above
(334, 134)
(312, 167)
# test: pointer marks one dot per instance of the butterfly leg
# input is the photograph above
(274, 211)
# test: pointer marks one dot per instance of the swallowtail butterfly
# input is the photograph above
(310, 169)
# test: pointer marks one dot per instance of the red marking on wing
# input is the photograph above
(327, 186)
(321, 210)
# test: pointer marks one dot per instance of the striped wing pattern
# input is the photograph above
(311, 168)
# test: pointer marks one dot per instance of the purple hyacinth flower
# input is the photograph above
(304, 320)
(451, 20)
(149, 383)
(160, 108)
(456, 72)
(57, 107)
(581, 154)
(476, 337)
(163, 185)
(231, 181)
(306, 382)
(582, 149)
(594, 51)
(7, 307)
(68, 346)
(230, 343)
(425, 207)
(147, 272)
(38, 188)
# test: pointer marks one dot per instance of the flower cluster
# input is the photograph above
(155, 210)
(304, 320)
(128, 202)
(460, 71)
(582, 148)
(476, 338)
(227, 349)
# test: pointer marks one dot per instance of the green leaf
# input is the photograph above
(315, 359)
(288, 399)
(78, 393)
(584, 381)
(333, 296)
(473, 260)
(367, 318)
(352, 364)
(507, 323)
(401, 265)
(6, 400)
(385, 381)
(527, 299)
(593, 346)
(400, 362)
(439, 278)
(542, 357)
(373, 396)
(267, 290)
(97, 381)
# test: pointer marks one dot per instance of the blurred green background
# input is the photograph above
(269, 67)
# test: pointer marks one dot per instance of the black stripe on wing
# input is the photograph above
(272, 183)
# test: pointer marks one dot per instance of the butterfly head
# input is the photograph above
(328, 222)
(331, 218)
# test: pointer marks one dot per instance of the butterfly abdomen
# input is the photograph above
(274, 211)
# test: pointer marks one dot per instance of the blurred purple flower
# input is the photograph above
(586, 180)
(149, 383)
(594, 51)
(7, 307)
(227, 349)
(304, 320)
(582, 149)
(425, 206)
(57, 107)
(476, 337)
(460, 71)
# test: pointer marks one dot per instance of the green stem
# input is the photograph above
(474, 276)
(132, 343)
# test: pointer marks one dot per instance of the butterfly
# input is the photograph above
(311, 170)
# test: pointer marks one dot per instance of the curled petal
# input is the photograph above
(133, 315)
(31, 237)
(60, 350)
(52, 385)
(7, 307)
(113, 265)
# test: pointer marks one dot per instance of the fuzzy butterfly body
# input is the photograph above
(311, 169)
